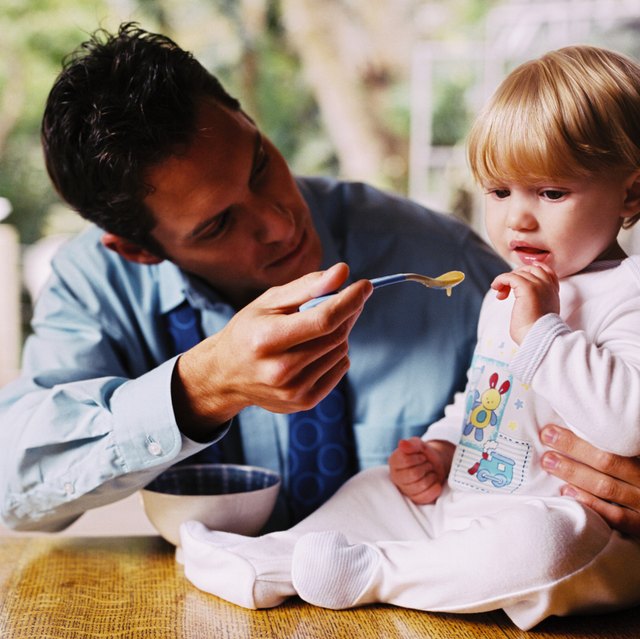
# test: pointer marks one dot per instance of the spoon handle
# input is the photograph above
(388, 279)
(376, 281)
(315, 301)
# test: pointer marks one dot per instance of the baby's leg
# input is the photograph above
(509, 559)
(255, 572)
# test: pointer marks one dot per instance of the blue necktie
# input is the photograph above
(321, 452)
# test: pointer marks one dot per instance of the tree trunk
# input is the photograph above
(313, 29)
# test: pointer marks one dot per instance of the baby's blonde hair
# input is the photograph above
(571, 113)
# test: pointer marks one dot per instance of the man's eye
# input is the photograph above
(261, 163)
(217, 226)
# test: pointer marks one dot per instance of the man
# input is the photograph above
(172, 323)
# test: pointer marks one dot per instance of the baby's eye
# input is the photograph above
(501, 194)
(553, 194)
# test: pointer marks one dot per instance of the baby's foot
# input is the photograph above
(214, 537)
(222, 564)
(327, 571)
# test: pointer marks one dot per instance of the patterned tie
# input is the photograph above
(321, 452)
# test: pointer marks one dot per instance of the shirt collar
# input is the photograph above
(170, 286)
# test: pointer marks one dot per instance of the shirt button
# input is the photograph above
(69, 488)
(154, 448)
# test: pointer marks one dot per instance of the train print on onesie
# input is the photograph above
(489, 456)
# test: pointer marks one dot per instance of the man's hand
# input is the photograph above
(269, 354)
(607, 483)
(419, 469)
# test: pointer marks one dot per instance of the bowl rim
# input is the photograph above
(244, 467)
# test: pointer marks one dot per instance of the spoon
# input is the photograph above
(445, 281)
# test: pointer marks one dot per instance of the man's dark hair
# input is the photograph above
(122, 104)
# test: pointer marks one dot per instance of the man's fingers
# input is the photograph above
(303, 365)
(323, 282)
(590, 480)
(318, 379)
(618, 517)
(607, 483)
(294, 349)
(290, 296)
(564, 441)
(295, 328)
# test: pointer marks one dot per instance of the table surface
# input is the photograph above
(91, 587)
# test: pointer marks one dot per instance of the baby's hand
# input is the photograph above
(419, 469)
(536, 289)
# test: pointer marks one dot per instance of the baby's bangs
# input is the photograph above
(519, 143)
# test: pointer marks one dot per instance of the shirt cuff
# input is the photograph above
(535, 345)
(147, 433)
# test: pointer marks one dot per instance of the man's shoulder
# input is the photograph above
(85, 252)
(84, 257)
(350, 192)
(106, 283)
(371, 207)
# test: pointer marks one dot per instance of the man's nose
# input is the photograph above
(273, 222)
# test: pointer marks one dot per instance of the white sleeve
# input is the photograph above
(595, 387)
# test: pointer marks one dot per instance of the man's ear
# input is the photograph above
(129, 250)
(632, 198)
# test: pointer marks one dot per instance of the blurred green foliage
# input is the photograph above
(37, 34)
(451, 115)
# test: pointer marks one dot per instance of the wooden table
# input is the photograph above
(130, 587)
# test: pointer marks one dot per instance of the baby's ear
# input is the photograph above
(632, 198)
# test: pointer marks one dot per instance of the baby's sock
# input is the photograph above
(235, 568)
(327, 571)
(214, 537)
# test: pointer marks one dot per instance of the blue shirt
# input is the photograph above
(91, 421)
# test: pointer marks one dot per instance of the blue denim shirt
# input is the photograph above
(91, 421)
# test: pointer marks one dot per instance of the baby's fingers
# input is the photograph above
(425, 491)
(501, 286)
(410, 446)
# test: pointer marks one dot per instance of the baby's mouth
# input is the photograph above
(530, 250)
(529, 254)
